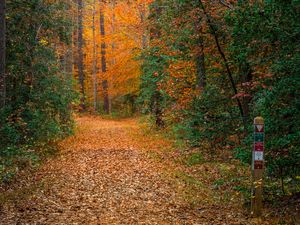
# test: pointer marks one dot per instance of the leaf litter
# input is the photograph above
(113, 172)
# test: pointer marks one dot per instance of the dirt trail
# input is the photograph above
(102, 177)
(117, 172)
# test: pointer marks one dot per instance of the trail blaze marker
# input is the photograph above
(257, 167)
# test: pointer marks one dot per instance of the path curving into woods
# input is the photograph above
(103, 176)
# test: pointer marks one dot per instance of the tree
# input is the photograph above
(95, 80)
(2, 54)
(80, 64)
(270, 70)
(103, 63)
(153, 69)
(38, 94)
(113, 49)
(69, 55)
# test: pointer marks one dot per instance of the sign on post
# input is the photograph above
(257, 166)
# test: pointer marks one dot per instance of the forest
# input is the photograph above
(92, 86)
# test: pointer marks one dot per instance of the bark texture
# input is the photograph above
(103, 63)
(2, 54)
(80, 64)
(95, 80)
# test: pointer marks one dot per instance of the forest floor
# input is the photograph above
(120, 172)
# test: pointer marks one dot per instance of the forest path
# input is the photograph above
(103, 175)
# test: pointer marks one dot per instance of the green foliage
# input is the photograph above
(153, 73)
(281, 108)
(275, 29)
(261, 43)
(209, 120)
(194, 159)
(39, 95)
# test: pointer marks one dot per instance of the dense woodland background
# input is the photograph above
(201, 70)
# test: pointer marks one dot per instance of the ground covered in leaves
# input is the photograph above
(119, 172)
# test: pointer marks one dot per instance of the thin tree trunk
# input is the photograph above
(73, 51)
(246, 77)
(158, 110)
(103, 62)
(80, 55)
(95, 81)
(113, 46)
(229, 73)
(2, 54)
(69, 53)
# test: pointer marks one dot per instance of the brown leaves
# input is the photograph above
(101, 177)
(116, 172)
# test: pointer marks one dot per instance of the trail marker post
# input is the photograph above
(257, 167)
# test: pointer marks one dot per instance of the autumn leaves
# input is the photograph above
(109, 37)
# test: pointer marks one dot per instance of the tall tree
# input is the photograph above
(2, 54)
(80, 64)
(95, 81)
(69, 52)
(37, 92)
(157, 96)
(214, 33)
(113, 47)
(103, 62)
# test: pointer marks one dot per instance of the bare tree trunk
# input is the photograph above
(226, 63)
(113, 46)
(103, 62)
(95, 81)
(2, 54)
(80, 55)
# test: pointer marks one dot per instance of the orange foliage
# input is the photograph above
(124, 32)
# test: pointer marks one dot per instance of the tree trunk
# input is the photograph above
(95, 81)
(103, 62)
(69, 53)
(200, 63)
(246, 77)
(2, 54)
(113, 47)
(226, 63)
(158, 110)
(80, 55)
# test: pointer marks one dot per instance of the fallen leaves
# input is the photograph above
(112, 172)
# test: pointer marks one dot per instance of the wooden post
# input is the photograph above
(257, 167)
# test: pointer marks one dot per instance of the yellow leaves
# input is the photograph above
(123, 39)
(43, 42)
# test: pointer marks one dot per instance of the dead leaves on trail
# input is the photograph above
(104, 175)
(101, 178)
